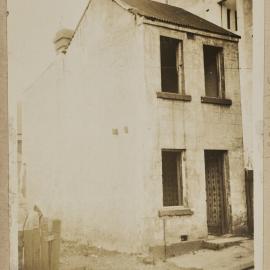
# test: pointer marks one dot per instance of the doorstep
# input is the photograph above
(237, 257)
(176, 249)
(218, 243)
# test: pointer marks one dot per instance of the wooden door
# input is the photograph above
(215, 188)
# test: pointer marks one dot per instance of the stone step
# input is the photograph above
(222, 242)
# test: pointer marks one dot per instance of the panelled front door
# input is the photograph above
(215, 192)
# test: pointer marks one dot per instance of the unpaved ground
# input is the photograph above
(236, 257)
(79, 257)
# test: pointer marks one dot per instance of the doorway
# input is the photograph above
(217, 221)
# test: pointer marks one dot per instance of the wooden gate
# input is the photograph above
(39, 248)
(249, 198)
(215, 192)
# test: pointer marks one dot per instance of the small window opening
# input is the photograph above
(184, 237)
(228, 18)
(19, 146)
(172, 178)
(213, 71)
(235, 19)
(190, 36)
(171, 65)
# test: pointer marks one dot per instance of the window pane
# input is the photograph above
(229, 18)
(169, 73)
(235, 19)
(211, 70)
(171, 175)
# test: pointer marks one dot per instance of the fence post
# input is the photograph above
(249, 200)
(44, 246)
(20, 250)
(36, 248)
(55, 246)
(28, 251)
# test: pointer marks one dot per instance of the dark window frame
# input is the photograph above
(228, 18)
(235, 20)
(220, 73)
(167, 198)
(177, 46)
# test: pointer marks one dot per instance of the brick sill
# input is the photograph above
(217, 101)
(173, 96)
(175, 211)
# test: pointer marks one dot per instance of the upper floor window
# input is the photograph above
(171, 55)
(235, 21)
(228, 18)
(214, 71)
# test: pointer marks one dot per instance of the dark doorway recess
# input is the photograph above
(216, 192)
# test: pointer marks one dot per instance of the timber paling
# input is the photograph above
(39, 248)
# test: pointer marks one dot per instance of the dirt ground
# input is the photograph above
(82, 257)
(239, 257)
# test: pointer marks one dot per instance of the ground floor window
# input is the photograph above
(172, 177)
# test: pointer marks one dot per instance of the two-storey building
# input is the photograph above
(133, 136)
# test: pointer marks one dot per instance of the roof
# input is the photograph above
(174, 15)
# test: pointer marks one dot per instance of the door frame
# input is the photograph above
(226, 222)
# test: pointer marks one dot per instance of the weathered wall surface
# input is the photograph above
(93, 134)
(245, 22)
(266, 139)
(4, 141)
(82, 134)
(211, 11)
(195, 127)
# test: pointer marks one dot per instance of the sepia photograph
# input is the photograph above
(134, 135)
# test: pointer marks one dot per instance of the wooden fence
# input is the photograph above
(249, 198)
(39, 248)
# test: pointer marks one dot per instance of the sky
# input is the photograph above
(32, 25)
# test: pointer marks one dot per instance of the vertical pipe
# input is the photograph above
(4, 144)
(164, 239)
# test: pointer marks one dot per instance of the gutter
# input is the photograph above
(162, 24)
(172, 25)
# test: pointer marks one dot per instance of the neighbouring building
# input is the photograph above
(266, 143)
(4, 142)
(133, 136)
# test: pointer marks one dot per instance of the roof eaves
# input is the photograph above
(135, 11)
(158, 23)
(123, 4)
(188, 26)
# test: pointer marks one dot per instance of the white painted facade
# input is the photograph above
(216, 12)
(93, 130)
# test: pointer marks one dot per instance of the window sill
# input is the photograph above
(173, 96)
(217, 101)
(175, 211)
